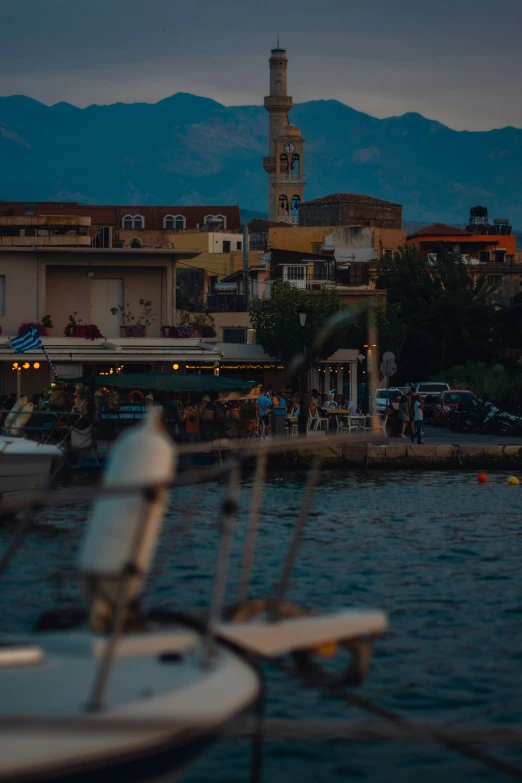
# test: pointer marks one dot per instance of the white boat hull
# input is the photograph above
(157, 712)
(25, 468)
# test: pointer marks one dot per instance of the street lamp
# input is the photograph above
(302, 313)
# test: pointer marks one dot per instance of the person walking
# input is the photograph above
(404, 416)
(417, 416)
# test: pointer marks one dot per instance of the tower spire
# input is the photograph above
(278, 40)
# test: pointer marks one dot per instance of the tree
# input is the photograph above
(277, 325)
(445, 313)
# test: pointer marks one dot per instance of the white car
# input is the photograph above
(380, 398)
(431, 387)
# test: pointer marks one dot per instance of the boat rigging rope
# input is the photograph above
(318, 678)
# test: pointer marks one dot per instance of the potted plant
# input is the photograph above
(135, 327)
(182, 331)
(75, 328)
(43, 327)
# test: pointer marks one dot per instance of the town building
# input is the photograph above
(359, 243)
(133, 226)
(489, 250)
(350, 209)
(45, 231)
(284, 162)
(86, 283)
(477, 249)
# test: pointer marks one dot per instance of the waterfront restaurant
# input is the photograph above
(87, 284)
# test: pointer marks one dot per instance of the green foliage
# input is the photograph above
(503, 385)
(145, 318)
(445, 315)
(277, 325)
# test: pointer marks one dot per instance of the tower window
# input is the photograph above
(284, 207)
(283, 163)
(296, 166)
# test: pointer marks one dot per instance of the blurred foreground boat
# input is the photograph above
(116, 693)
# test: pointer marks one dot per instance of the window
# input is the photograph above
(499, 256)
(239, 245)
(296, 166)
(29, 210)
(216, 219)
(494, 280)
(136, 243)
(316, 248)
(283, 163)
(226, 246)
(2, 294)
(176, 222)
(484, 256)
(284, 206)
(133, 221)
(236, 336)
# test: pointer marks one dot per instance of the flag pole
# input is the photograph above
(18, 383)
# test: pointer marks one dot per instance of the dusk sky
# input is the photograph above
(457, 61)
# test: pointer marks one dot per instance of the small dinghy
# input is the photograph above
(115, 694)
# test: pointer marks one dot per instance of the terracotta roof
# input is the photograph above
(112, 215)
(351, 198)
(440, 230)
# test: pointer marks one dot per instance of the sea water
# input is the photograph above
(441, 554)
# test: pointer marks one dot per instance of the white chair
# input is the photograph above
(322, 422)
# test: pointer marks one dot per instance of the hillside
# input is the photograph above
(186, 149)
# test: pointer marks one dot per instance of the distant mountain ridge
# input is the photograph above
(186, 150)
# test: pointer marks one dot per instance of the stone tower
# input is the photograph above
(284, 163)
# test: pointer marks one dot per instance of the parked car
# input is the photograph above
(431, 387)
(380, 398)
(449, 401)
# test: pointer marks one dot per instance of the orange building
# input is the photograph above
(476, 248)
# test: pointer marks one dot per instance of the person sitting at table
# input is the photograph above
(352, 408)
(331, 404)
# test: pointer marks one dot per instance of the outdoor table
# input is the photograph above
(353, 420)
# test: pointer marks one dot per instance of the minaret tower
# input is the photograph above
(284, 164)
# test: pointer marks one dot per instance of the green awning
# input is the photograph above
(164, 381)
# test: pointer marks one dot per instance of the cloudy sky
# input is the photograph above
(458, 61)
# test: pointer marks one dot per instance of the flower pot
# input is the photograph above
(133, 330)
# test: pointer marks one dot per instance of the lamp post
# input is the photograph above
(302, 313)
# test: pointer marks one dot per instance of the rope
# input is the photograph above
(445, 738)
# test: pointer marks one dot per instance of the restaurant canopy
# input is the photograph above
(164, 381)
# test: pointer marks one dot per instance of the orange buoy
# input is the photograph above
(482, 478)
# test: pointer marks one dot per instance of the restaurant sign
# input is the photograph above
(127, 412)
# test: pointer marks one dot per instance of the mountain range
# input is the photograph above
(187, 150)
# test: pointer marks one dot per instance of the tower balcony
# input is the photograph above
(278, 103)
(269, 164)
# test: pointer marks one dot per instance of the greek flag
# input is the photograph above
(29, 342)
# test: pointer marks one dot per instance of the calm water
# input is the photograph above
(441, 554)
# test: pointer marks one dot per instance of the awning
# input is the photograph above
(165, 381)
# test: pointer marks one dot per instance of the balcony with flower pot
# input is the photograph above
(135, 326)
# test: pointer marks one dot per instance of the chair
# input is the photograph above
(320, 420)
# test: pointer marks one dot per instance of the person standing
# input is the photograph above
(417, 414)
(265, 403)
(404, 415)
